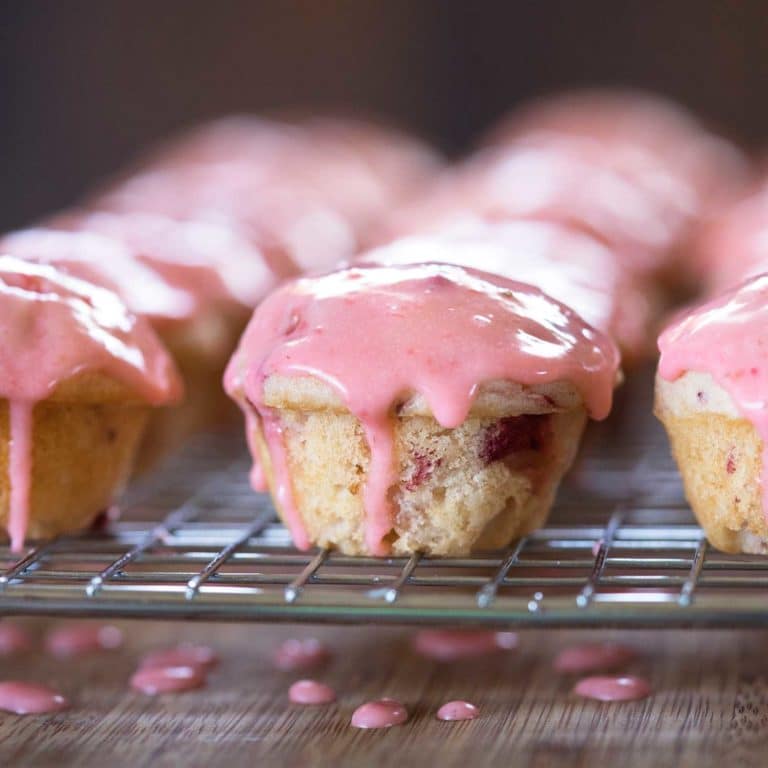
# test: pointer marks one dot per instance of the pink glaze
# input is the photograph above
(172, 679)
(82, 639)
(625, 198)
(569, 265)
(311, 692)
(379, 334)
(212, 261)
(593, 657)
(293, 654)
(454, 644)
(30, 699)
(54, 327)
(657, 126)
(13, 639)
(627, 688)
(457, 710)
(383, 713)
(294, 226)
(726, 338)
(185, 655)
(105, 262)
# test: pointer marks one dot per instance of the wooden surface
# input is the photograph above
(710, 705)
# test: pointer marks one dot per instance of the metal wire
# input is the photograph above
(195, 542)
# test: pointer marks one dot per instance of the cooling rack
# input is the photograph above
(194, 542)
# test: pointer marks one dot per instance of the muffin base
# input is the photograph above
(479, 485)
(82, 456)
(719, 455)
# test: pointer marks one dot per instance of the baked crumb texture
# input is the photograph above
(479, 485)
(719, 455)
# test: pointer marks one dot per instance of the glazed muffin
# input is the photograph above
(80, 375)
(710, 396)
(420, 408)
(690, 151)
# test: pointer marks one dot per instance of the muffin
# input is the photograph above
(424, 407)
(652, 124)
(305, 191)
(80, 375)
(710, 396)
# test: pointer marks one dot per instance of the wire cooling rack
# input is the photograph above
(194, 542)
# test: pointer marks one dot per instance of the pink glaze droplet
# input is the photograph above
(80, 639)
(311, 692)
(593, 657)
(457, 710)
(13, 639)
(185, 655)
(627, 688)
(294, 654)
(450, 645)
(29, 698)
(155, 680)
(382, 713)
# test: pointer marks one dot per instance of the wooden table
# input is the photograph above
(710, 705)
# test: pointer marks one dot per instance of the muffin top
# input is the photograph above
(726, 338)
(567, 264)
(381, 334)
(55, 327)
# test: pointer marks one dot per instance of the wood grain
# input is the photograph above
(710, 705)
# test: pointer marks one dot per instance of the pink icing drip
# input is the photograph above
(450, 645)
(13, 639)
(593, 658)
(82, 639)
(29, 699)
(613, 688)
(725, 338)
(301, 654)
(273, 434)
(383, 713)
(171, 679)
(457, 710)
(185, 655)
(311, 692)
(19, 471)
(54, 327)
(378, 334)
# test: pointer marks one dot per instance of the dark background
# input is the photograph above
(85, 83)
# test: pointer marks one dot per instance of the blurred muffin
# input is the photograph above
(80, 375)
(416, 408)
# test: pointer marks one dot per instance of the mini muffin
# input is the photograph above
(654, 125)
(424, 407)
(568, 264)
(624, 198)
(306, 191)
(80, 375)
(711, 397)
